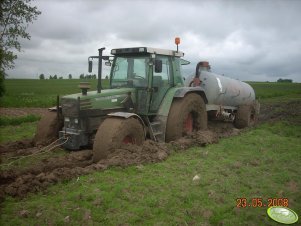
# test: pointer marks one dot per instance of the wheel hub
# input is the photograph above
(188, 123)
(128, 140)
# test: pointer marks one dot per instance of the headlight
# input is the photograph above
(76, 120)
(67, 119)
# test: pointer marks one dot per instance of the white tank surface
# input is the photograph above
(221, 90)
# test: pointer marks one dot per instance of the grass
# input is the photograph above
(13, 133)
(17, 128)
(6, 121)
(40, 93)
(266, 90)
(262, 162)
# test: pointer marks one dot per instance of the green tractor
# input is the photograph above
(147, 99)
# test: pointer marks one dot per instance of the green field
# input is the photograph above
(262, 162)
(40, 93)
(266, 90)
(43, 93)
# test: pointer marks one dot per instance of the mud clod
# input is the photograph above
(149, 151)
(200, 138)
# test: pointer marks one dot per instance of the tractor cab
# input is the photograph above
(152, 72)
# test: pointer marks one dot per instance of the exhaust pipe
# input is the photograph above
(99, 69)
(100, 58)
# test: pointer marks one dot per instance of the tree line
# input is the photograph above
(81, 76)
(285, 80)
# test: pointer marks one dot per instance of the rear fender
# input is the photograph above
(185, 90)
(129, 115)
(178, 92)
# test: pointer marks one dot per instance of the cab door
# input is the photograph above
(161, 82)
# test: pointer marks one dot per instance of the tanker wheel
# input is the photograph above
(245, 116)
(48, 128)
(115, 132)
(186, 115)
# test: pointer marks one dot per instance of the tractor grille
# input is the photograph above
(85, 104)
(142, 105)
(69, 107)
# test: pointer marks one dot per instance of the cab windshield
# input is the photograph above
(130, 71)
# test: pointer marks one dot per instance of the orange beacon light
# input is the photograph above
(177, 41)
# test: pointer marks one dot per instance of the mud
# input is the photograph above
(18, 182)
(18, 112)
(16, 147)
(288, 111)
(38, 177)
(200, 138)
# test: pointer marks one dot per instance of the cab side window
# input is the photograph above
(165, 76)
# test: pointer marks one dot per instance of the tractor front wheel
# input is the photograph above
(115, 132)
(48, 128)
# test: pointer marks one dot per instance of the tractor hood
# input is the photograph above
(106, 100)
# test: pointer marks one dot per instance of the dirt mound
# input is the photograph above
(223, 129)
(149, 151)
(200, 138)
(16, 145)
(37, 177)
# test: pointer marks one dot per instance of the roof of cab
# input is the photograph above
(133, 50)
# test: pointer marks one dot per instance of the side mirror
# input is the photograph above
(90, 66)
(108, 63)
(158, 66)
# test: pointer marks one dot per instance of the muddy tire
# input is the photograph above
(48, 129)
(186, 115)
(115, 132)
(245, 116)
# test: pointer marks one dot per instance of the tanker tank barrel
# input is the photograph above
(219, 89)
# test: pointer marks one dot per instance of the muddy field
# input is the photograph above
(18, 112)
(18, 182)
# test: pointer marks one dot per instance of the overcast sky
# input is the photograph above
(247, 40)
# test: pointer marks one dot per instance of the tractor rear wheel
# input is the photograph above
(246, 116)
(115, 132)
(186, 115)
(48, 128)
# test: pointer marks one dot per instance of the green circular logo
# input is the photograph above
(282, 214)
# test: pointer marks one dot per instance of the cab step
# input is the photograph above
(155, 130)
